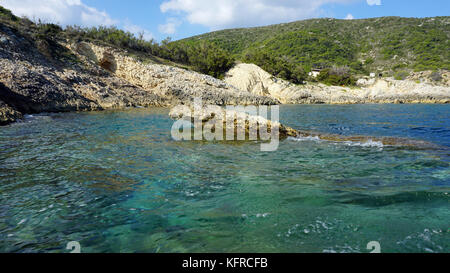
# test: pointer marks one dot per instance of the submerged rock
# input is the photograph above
(369, 140)
(211, 117)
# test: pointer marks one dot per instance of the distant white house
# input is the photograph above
(314, 73)
(373, 75)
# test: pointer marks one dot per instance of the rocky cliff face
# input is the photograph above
(253, 79)
(176, 85)
(42, 76)
(32, 80)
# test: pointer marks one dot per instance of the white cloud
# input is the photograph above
(217, 14)
(69, 12)
(64, 12)
(349, 17)
(170, 27)
(374, 2)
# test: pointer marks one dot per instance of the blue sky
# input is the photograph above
(178, 19)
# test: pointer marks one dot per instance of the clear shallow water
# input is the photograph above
(116, 182)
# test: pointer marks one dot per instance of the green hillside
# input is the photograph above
(206, 58)
(386, 44)
(344, 49)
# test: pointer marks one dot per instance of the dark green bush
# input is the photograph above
(112, 36)
(48, 31)
(205, 58)
(369, 61)
(279, 67)
(339, 76)
(209, 59)
(7, 14)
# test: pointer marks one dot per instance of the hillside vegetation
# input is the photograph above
(344, 49)
(388, 45)
(203, 57)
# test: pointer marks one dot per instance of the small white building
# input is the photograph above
(373, 75)
(314, 73)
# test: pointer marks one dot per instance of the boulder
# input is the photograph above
(8, 114)
(236, 121)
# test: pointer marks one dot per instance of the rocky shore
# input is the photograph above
(40, 76)
(370, 90)
(8, 114)
(175, 85)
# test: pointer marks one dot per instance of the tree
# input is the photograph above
(337, 76)
(209, 59)
(283, 68)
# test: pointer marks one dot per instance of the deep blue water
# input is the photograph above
(117, 182)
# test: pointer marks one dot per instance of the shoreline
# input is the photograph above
(103, 78)
(416, 89)
(286, 132)
(21, 116)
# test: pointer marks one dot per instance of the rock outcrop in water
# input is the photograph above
(237, 121)
(255, 80)
(8, 114)
(250, 125)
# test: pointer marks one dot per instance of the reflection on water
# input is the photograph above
(116, 182)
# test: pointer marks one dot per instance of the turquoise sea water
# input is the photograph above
(117, 182)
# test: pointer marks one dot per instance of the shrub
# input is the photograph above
(369, 61)
(337, 76)
(399, 66)
(46, 31)
(401, 75)
(280, 67)
(209, 59)
(113, 36)
(206, 57)
(7, 14)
